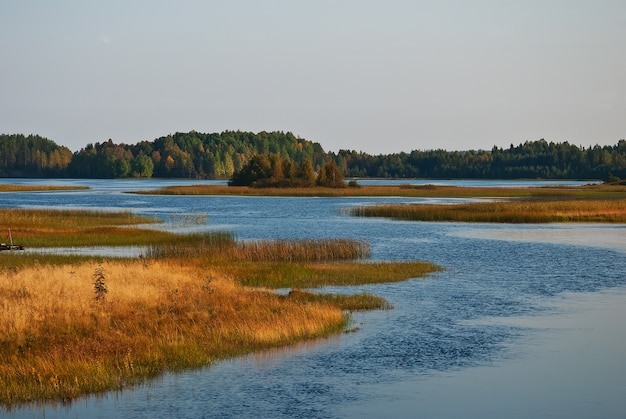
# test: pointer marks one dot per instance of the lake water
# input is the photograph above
(525, 321)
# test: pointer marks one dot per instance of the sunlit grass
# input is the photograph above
(526, 211)
(353, 302)
(62, 228)
(35, 188)
(406, 190)
(315, 275)
(188, 301)
(57, 341)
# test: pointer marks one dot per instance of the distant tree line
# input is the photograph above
(222, 155)
(536, 159)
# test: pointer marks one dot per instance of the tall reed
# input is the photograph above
(193, 245)
(223, 245)
(312, 250)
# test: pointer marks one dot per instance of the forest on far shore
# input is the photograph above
(197, 155)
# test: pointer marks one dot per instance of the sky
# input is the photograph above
(374, 76)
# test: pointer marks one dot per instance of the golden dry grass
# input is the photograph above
(60, 337)
(407, 190)
(36, 188)
(57, 342)
(56, 227)
(525, 211)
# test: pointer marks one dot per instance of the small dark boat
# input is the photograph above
(10, 246)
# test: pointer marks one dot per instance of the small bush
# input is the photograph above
(99, 285)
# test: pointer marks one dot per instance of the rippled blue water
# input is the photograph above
(483, 312)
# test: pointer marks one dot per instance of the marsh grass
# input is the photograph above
(314, 275)
(406, 190)
(60, 228)
(319, 250)
(70, 218)
(76, 325)
(520, 211)
(57, 343)
(37, 188)
(223, 245)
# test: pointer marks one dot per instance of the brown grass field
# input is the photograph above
(58, 342)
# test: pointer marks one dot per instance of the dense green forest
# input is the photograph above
(32, 156)
(220, 155)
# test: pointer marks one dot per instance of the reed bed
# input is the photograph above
(406, 190)
(57, 341)
(72, 227)
(223, 245)
(211, 244)
(319, 250)
(36, 188)
(69, 218)
(526, 211)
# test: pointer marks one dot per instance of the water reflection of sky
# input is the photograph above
(543, 377)
(596, 235)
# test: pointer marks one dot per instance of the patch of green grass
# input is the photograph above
(353, 302)
(315, 275)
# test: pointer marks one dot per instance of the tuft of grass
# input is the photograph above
(525, 211)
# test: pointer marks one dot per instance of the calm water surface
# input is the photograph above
(526, 321)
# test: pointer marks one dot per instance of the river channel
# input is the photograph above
(525, 320)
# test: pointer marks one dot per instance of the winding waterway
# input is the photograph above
(525, 321)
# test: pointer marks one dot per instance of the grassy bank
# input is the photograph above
(37, 188)
(424, 191)
(74, 325)
(526, 211)
(63, 228)
(57, 341)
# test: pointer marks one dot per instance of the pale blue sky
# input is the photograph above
(373, 76)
